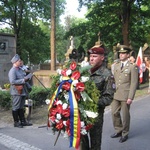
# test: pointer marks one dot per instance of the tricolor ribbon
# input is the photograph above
(75, 124)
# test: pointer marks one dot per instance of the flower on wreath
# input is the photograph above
(73, 103)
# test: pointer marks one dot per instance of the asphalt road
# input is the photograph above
(35, 138)
(139, 136)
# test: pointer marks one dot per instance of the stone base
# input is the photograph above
(43, 76)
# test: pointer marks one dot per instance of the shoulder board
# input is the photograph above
(118, 62)
(133, 63)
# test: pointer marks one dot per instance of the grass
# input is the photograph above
(143, 90)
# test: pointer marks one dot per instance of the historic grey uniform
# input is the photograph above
(16, 77)
(18, 92)
(126, 84)
(105, 83)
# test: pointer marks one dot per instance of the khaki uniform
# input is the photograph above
(126, 81)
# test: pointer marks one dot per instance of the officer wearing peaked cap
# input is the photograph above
(126, 80)
(124, 49)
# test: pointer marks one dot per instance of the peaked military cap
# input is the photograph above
(124, 49)
(15, 58)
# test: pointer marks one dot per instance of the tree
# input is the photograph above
(13, 12)
(118, 21)
(34, 42)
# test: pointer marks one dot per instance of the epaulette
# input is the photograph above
(117, 62)
(133, 63)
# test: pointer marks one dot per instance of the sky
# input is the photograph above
(72, 9)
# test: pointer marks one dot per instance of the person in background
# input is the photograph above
(147, 69)
(24, 68)
(18, 93)
(143, 66)
(112, 66)
(104, 81)
(132, 60)
(26, 71)
(126, 79)
(85, 62)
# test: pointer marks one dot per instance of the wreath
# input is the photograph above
(73, 101)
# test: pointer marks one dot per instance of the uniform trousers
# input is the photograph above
(18, 102)
(94, 141)
(121, 116)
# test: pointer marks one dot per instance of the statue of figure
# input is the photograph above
(145, 46)
(99, 42)
(115, 50)
(69, 51)
(71, 42)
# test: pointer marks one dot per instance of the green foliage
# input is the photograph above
(7, 85)
(109, 17)
(23, 18)
(37, 43)
(54, 85)
(5, 99)
(92, 91)
(39, 95)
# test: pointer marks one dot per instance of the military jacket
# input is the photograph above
(104, 81)
(16, 77)
(126, 81)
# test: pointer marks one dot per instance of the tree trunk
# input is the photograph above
(125, 32)
(52, 41)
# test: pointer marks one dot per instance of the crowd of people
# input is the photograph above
(117, 88)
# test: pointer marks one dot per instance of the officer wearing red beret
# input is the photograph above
(105, 84)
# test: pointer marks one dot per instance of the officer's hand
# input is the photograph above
(129, 101)
(26, 79)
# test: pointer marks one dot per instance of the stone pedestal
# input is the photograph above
(43, 76)
(69, 51)
(7, 51)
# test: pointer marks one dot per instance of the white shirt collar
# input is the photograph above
(124, 62)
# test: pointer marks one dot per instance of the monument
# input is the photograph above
(99, 43)
(7, 51)
(69, 51)
(146, 51)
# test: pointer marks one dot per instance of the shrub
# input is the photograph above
(39, 95)
(5, 99)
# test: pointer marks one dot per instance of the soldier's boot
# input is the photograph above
(22, 118)
(16, 120)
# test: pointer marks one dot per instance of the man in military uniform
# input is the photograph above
(105, 84)
(18, 92)
(126, 79)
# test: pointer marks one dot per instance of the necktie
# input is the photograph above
(122, 65)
